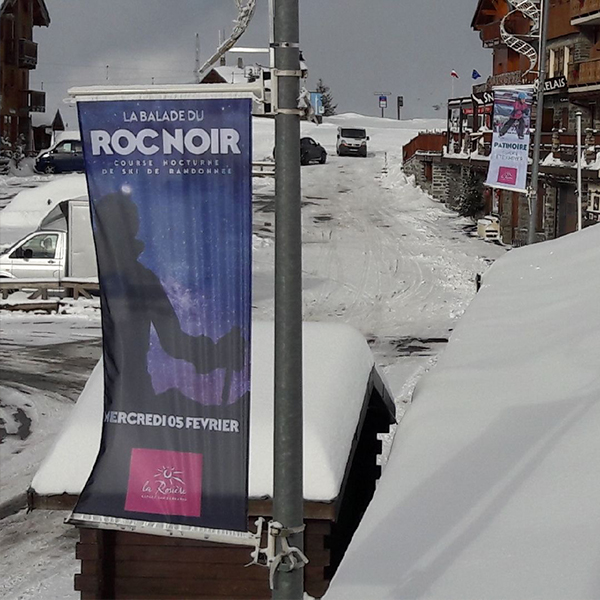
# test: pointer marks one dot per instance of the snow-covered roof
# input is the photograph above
(66, 135)
(337, 366)
(41, 120)
(232, 74)
(492, 488)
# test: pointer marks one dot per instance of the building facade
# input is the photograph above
(18, 56)
(572, 86)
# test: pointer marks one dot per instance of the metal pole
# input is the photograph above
(197, 69)
(535, 167)
(288, 497)
(579, 182)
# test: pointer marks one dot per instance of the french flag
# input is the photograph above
(454, 74)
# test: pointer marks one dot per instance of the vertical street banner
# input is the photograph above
(169, 182)
(510, 140)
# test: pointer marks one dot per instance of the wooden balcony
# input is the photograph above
(490, 34)
(562, 145)
(585, 12)
(586, 73)
(511, 78)
(28, 54)
(32, 101)
(425, 143)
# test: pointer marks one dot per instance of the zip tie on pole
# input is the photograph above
(284, 45)
(289, 111)
(288, 559)
(287, 73)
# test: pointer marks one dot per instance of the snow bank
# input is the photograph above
(337, 365)
(491, 491)
(26, 210)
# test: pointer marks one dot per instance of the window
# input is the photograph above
(559, 67)
(41, 246)
(65, 147)
(558, 61)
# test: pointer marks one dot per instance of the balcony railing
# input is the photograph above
(510, 78)
(33, 101)
(490, 34)
(563, 146)
(584, 8)
(28, 52)
(425, 143)
(584, 73)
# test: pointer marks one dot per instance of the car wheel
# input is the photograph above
(363, 153)
(49, 169)
(323, 158)
(304, 158)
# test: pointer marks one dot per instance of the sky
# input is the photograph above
(358, 48)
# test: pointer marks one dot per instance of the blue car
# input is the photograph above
(65, 157)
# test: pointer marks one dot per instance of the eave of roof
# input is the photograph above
(41, 16)
(477, 18)
(44, 14)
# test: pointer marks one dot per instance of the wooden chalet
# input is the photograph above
(572, 85)
(18, 56)
(117, 564)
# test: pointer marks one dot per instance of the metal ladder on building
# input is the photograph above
(531, 10)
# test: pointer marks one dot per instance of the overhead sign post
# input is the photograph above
(383, 100)
(400, 105)
(169, 181)
(382, 104)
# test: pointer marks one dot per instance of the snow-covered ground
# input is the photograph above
(491, 491)
(379, 255)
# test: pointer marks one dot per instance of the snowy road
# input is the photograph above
(382, 256)
(378, 254)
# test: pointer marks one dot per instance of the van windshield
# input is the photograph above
(353, 133)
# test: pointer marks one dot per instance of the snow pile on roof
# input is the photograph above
(232, 74)
(337, 365)
(66, 135)
(492, 488)
(25, 212)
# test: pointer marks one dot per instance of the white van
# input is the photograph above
(62, 246)
(351, 140)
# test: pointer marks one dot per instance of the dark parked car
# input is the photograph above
(65, 157)
(311, 150)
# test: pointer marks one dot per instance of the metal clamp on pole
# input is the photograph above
(289, 111)
(284, 45)
(287, 73)
(289, 558)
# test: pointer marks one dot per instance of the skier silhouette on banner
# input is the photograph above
(136, 300)
(518, 116)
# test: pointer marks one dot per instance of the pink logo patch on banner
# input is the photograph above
(507, 175)
(162, 482)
